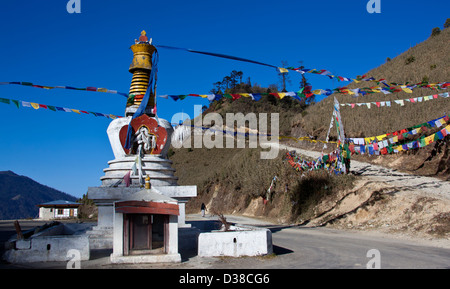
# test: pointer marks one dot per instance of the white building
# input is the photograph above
(58, 210)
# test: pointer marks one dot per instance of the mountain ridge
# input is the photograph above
(20, 195)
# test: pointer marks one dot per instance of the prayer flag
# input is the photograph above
(406, 89)
(16, 102)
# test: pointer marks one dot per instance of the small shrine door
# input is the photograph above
(146, 226)
(145, 234)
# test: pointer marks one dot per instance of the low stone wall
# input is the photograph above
(52, 244)
(239, 241)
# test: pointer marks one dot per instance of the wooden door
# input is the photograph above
(145, 234)
(141, 235)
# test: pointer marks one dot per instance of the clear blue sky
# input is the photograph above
(44, 44)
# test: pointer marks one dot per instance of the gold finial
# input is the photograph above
(143, 37)
(147, 182)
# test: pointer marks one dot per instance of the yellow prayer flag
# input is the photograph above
(317, 91)
(281, 95)
(405, 89)
(395, 139)
(283, 70)
(75, 110)
(34, 105)
(368, 140)
(381, 137)
(429, 139)
(245, 94)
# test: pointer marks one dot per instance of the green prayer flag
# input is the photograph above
(16, 102)
(436, 137)
(4, 100)
(422, 142)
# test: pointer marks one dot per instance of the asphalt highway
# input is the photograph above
(294, 247)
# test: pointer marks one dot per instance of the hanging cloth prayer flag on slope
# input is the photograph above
(340, 133)
(340, 127)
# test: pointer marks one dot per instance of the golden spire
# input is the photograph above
(141, 67)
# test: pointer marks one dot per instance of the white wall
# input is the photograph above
(253, 242)
(53, 213)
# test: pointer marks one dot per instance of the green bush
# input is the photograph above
(410, 60)
(435, 31)
(447, 23)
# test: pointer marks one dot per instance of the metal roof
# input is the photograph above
(59, 203)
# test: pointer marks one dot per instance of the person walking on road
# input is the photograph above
(203, 208)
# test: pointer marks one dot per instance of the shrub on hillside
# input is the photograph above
(435, 31)
(447, 23)
(313, 187)
(410, 60)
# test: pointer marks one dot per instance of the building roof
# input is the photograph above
(60, 203)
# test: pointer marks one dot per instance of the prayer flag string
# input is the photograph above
(280, 69)
(89, 88)
(34, 105)
(301, 70)
(400, 102)
(306, 94)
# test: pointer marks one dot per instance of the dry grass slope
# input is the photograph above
(431, 61)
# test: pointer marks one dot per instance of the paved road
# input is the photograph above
(295, 248)
(325, 248)
(319, 248)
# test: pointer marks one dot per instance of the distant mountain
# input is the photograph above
(19, 196)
